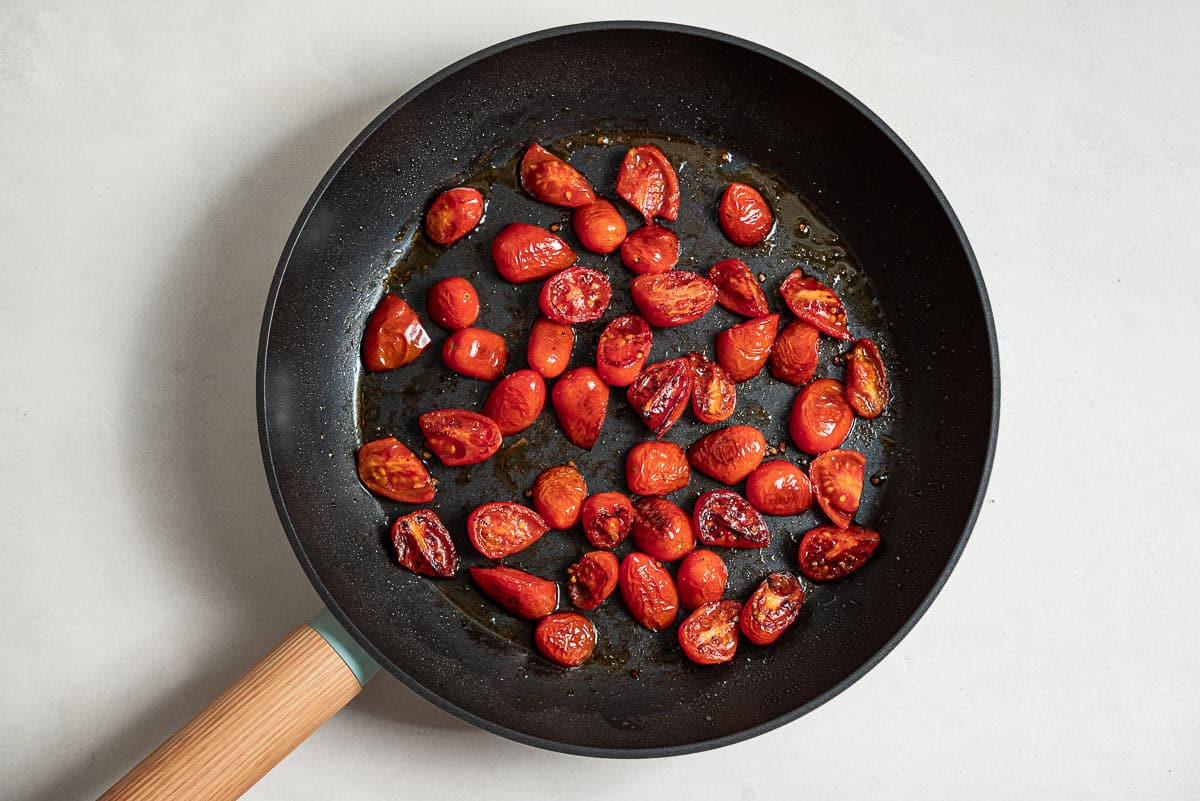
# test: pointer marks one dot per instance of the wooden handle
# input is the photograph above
(251, 726)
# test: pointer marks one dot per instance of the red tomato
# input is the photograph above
(524, 253)
(567, 638)
(648, 182)
(772, 608)
(558, 494)
(459, 437)
(580, 400)
(660, 393)
(815, 304)
(727, 519)
(607, 518)
(661, 529)
(701, 579)
(837, 478)
(518, 592)
(552, 180)
(866, 379)
(453, 215)
(828, 552)
(656, 468)
(592, 579)
(423, 544)
(737, 288)
(709, 635)
(394, 336)
(821, 417)
(453, 303)
(388, 468)
(550, 346)
(743, 349)
(621, 353)
(650, 249)
(516, 401)
(672, 298)
(502, 528)
(744, 216)
(779, 488)
(576, 295)
(728, 454)
(648, 591)
(599, 226)
(476, 353)
(794, 355)
(714, 395)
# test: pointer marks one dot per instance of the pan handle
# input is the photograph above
(257, 721)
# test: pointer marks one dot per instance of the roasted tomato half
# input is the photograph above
(724, 518)
(592, 579)
(661, 529)
(502, 528)
(580, 400)
(660, 393)
(607, 518)
(621, 353)
(394, 335)
(550, 346)
(459, 437)
(453, 215)
(837, 478)
(567, 638)
(828, 552)
(648, 591)
(524, 253)
(423, 545)
(599, 226)
(709, 635)
(779, 488)
(815, 304)
(728, 454)
(558, 494)
(552, 180)
(737, 288)
(576, 295)
(794, 355)
(516, 401)
(656, 468)
(701, 578)
(672, 298)
(476, 353)
(821, 416)
(519, 593)
(745, 217)
(453, 303)
(743, 349)
(648, 182)
(866, 379)
(772, 607)
(650, 249)
(714, 395)
(390, 469)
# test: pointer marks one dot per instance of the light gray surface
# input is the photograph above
(154, 162)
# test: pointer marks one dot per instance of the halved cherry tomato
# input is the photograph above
(607, 518)
(727, 519)
(701, 578)
(728, 454)
(866, 379)
(815, 304)
(737, 288)
(423, 545)
(524, 253)
(648, 591)
(709, 635)
(558, 494)
(518, 592)
(592, 579)
(771, 608)
(660, 393)
(599, 226)
(390, 469)
(502, 528)
(672, 298)
(779, 488)
(580, 400)
(394, 335)
(648, 182)
(656, 468)
(516, 401)
(743, 349)
(550, 346)
(453, 215)
(714, 395)
(622, 350)
(794, 355)
(650, 249)
(744, 216)
(567, 638)
(476, 353)
(828, 552)
(837, 478)
(576, 295)
(821, 417)
(453, 303)
(661, 529)
(459, 437)
(552, 180)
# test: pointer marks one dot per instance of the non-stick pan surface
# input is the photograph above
(856, 209)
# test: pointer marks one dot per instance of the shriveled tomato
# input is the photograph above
(388, 468)
(660, 393)
(519, 593)
(476, 353)
(866, 379)
(648, 591)
(576, 295)
(815, 304)
(622, 350)
(714, 395)
(772, 608)
(558, 494)
(567, 638)
(837, 478)
(648, 182)
(727, 519)
(650, 249)
(745, 217)
(709, 635)
(552, 180)
(453, 303)
(599, 226)
(524, 253)
(516, 401)
(743, 349)
(502, 528)
(728, 454)
(701, 578)
(672, 298)
(821, 416)
(550, 346)
(737, 288)
(828, 552)
(580, 400)
(453, 215)
(459, 437)
(656, 468)
(394, 335)
(779, 488)
(423, 545)
(592, 579)
(661, 529)
(607, 518)
(794, 355)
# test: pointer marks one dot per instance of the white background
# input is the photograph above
(154, 162)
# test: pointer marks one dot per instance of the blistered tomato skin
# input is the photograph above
(737, 288)
(592, 579)
(650, 249)
(459, 437)
(866, 380)
(558, 494)
(502, 528)
(795, 352)
(394, 335)
(728, 454)
(516, 401)
(648, 591)
(745, 217)
(661, 529)
(622, 350)
(552, 180)
(476, 353)
(837, 478)
(567, 638)
(821, 416)
(675, 297)
(661, 392)
(815, 304)
(423, 545)
(828, 552)
(519, 593)
(453, 303)
(599, 226)
(647, 181)
(453, 215)
(743, 350)
(524, 253)
(580, 400)
(576, 295)
(656, 468)
(772, 608)
(388, 468)
(607, 518)
(779, 488)
(724, 518)
(701, 579)
(714, 395)
(709, 635)
(550, 346)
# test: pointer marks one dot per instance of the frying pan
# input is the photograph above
(855, 208)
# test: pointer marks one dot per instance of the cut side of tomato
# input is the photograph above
(714, 395)
(552, 180)
(592, 579)
(459, 437)
(828, 552)
(607, 518)
(388, 468)
(815, 304)
(576, 295)
(709, 635)
(772, 608)
(660, 393)
(726, 519)
(502, 528)
(423, 545)
(672, 298)
(647, 181)
(866, 379)
(622, 350)
(737, 288)
(837, 478)
(453, 215)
